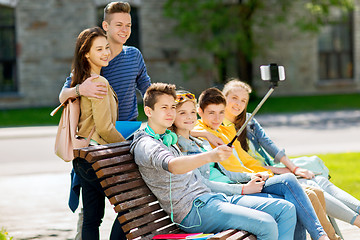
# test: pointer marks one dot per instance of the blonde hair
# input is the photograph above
(234, 83)
(241, 118)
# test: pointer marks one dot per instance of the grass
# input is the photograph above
(4, 235)
(344, 171)
(28, 117)
(307, 103)
(41, 117)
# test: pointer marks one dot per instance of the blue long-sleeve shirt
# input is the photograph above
(262, 143)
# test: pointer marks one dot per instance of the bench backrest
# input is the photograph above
(122, 183)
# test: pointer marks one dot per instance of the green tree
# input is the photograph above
(225, 28)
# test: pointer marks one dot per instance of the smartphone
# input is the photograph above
(272, 72)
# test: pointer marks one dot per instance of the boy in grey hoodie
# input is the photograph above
(190, 204)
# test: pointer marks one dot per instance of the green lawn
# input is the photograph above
(344, 171)
(28, 117)
(40, 116)
(307, 103)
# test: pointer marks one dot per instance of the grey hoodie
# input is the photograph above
(153, 157)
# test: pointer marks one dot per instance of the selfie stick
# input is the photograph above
(274, 83)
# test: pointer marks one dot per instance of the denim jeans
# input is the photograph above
(287, 186)
(339, 204)
(267, 218)
(93, 199)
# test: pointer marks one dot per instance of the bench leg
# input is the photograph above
(335, 226)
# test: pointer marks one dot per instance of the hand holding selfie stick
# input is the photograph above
(272, 72)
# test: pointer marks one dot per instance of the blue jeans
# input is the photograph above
(93, 199)
(287, 186)
(267, 218)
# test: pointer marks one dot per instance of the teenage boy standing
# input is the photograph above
(126, 72)
(181, 193)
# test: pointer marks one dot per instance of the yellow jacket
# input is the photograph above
(102, 113)
(248, 164)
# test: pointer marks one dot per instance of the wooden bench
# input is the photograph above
(120, 178)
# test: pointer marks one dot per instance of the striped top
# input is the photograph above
(126, 72)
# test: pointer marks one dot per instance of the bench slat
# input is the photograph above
(223, 235)
(135, 203)
(76, 152)
(239, 235)
(136, 193)
(112, 161)
(138, 212)
(117, 189)
(143, 220)
(111, 181)
(100, 154)
(86, 150)
(151, 227)
(171, 229)
(106, 172)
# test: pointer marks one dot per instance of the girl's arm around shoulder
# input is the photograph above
(101, 79)
(95, 86)
(89, 88)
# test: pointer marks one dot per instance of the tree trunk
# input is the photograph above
(244, 68)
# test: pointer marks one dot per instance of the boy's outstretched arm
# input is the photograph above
(184, 164)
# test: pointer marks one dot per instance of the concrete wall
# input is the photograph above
(47, 29)
(164, 54)
(46, 33)
(298, 53)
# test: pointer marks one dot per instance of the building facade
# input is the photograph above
(37, 40)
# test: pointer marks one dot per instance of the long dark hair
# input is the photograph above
(241, 118)
(80, 65)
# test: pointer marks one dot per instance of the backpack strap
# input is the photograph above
(53, 112)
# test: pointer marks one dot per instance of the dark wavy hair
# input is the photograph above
(80, 65)
(211, 96)
(241, 118)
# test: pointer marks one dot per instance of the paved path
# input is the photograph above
(34, 187)
(317, 132)
(34, 183)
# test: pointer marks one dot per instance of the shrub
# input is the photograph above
(4, 235)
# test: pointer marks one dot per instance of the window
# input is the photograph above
(134, 39)
(7, 50)
(335, 46)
